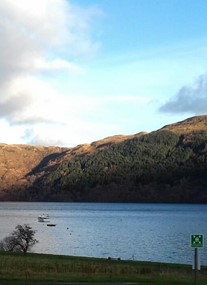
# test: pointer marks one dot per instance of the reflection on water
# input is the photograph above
(151, 232)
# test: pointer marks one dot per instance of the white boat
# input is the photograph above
(43, 218)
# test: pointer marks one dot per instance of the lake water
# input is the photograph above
(148, 232)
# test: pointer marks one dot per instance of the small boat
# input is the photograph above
(43, 218)
(51, 225)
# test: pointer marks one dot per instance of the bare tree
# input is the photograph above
(22, 239)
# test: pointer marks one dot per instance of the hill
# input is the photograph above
(19, 167)
(167, 165)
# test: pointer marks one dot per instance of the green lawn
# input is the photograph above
(19, 269)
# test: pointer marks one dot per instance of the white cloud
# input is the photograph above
(69, 134)
(57, 65)
(11, 135)
(39, 40)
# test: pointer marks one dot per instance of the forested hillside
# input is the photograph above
(168, 165)
(163, 166)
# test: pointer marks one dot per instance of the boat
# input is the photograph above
(43, 218)
(51, 225)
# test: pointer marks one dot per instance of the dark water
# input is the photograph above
(150, 232)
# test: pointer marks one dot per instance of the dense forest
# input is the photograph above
(162, 166)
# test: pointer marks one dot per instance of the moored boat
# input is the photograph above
(51, 225)
(43, 218)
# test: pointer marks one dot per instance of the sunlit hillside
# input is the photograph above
(167, 165)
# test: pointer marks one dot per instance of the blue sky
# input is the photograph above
(76, 71)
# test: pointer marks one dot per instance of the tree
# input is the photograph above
(8, 244)
(22, 239)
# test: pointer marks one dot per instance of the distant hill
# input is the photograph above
(167, 165)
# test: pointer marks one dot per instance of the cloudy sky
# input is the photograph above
(76, 71)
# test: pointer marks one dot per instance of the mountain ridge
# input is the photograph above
(36, 173)
(188, 125)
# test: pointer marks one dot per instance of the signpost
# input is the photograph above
(197, 241)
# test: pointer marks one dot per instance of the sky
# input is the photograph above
(77, 71)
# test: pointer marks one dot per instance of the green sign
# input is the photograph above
(197, 241)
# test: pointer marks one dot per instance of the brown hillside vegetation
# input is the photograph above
(22, 166)
(17, 164)
(188, 126)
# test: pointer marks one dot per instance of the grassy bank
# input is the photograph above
(38, 268)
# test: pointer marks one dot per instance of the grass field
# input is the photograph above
(18, 269)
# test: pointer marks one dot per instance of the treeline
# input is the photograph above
(158, 167)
